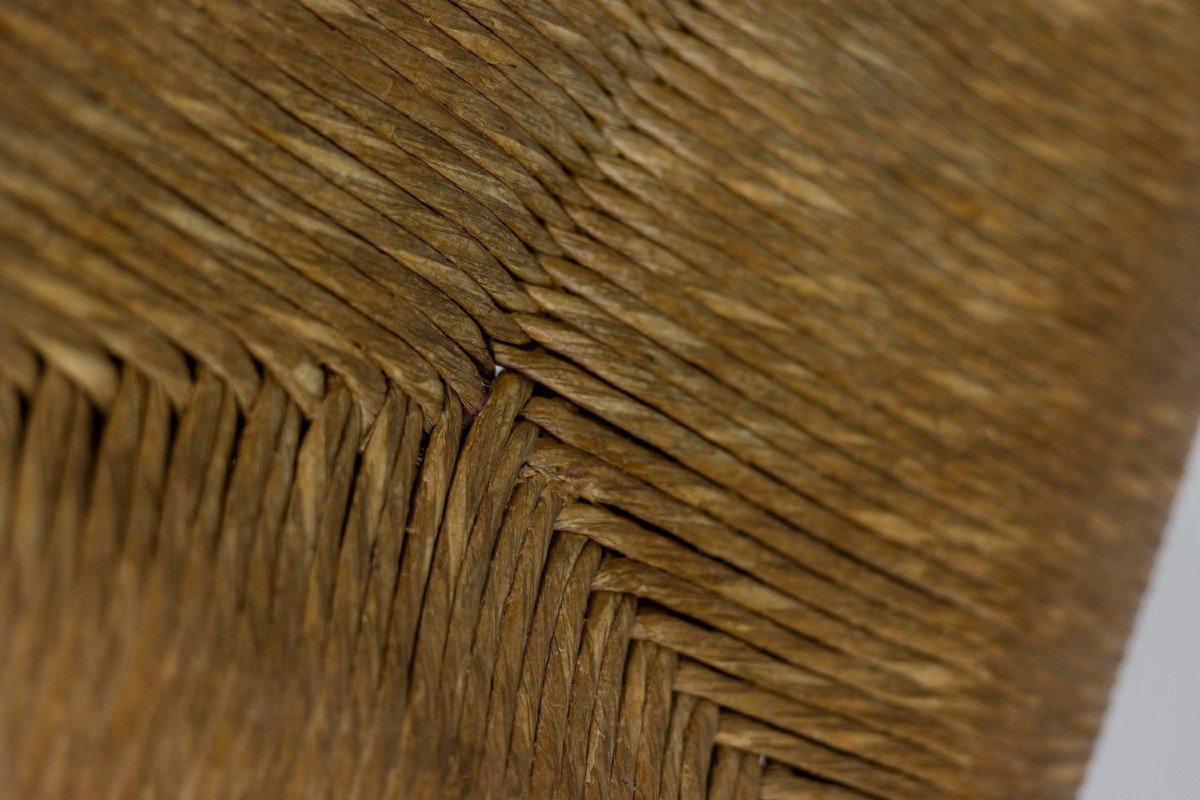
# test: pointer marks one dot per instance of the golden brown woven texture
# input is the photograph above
(851, 357)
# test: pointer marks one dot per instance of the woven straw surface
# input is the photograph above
(584, 398)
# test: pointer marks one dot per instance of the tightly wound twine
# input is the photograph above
(554, 399)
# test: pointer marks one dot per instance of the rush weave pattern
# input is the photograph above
(664, 399)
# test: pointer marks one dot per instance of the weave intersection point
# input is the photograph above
(671, 399)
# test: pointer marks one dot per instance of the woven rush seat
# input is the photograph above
(607, 399)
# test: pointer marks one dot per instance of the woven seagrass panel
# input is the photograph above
(671, 399)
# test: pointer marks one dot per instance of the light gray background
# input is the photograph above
(1149, 748)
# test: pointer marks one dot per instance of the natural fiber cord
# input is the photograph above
(613, 399)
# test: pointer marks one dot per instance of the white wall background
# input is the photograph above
(1149, 748)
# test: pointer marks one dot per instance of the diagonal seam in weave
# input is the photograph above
(623, 399)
